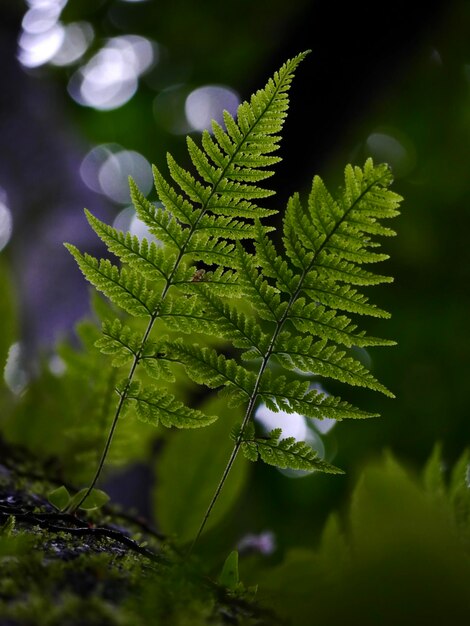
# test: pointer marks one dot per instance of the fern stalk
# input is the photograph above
(117, 414)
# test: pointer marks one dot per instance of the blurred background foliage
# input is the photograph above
(93, 90)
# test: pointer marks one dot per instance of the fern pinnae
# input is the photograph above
(282, 453)
(251, 138)
(306, 241)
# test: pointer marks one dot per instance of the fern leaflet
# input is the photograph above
(283, 453)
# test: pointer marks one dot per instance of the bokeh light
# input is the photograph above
(39, 48)
(106, 168)
(57, 365)
(6, 221)
(394, 149)
(42, 34)
(292, 424)
(77, 39)
(110, 78)
(114, 172)
(208, 103)
(264, 543)
(92, 162)
(168, 109)
(15, 374)
(127, 221)
(41, 18)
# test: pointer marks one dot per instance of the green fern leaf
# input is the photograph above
(146, 258)
(119, 341)
(296, 397)
(315, 319)
(341, 297)
(324, 359)
(272, 264)
(157, 368)
(195, 191)
(328, 267)
(243, 331)
(160, 221)
(232, 161)
(123, 287)
(263, 296)
(221, 282)
(174, 203)
(222, 226)
(283, 308)
(159, 407)
(210, 250)
(285, 453)
(205, 366)
(185, 315)
(236, 207)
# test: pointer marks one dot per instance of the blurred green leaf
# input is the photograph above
(95, 500)
(59, 497)
(8, 314)
(406, 563)
(433, 475)
(229, 575)
(188, 473)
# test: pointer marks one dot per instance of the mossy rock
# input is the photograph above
(97, 570)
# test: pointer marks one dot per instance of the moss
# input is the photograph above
(52, 577)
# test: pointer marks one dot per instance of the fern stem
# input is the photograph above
(117, 414)
(246, 419)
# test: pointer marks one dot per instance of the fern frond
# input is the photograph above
(153, 362)
(119, 341)
(339, 229)
(222, 282)
(185, 315)
(196, 191)
(211, 250)
(221, 226)
(290, 304)
(272, 264)
(174, 203)
(161, 221)
(340, 297)
(296, 397)
(328, 267)
(242, 330)
(263, 297)
(231, 162)
(285, 453)
(152, 261)
(232, 207)
(324, 359)
(123, 287)
(159, 407)
(315, 319)
(207, 367)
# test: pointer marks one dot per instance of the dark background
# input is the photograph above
(392, 82)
